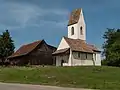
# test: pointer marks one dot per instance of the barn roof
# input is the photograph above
(25, 49)
(74, 17)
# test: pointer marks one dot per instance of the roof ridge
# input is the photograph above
(32, 42)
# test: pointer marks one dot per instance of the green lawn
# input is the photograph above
(86, 77)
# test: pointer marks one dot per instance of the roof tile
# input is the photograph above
(74, 17)
(60, 51)
(80, 45)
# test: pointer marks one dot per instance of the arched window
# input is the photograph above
(72, 31)
(81, 30)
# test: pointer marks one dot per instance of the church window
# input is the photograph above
(81, 30)
(78, 54)
(86, 55)
(75, 55)
(72, 31)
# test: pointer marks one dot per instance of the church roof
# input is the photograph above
(74, 17)
(80, 45)
(61, 51)
(25, 49)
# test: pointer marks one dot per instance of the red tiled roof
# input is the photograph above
(25, 49)
(74, 17)
(80, 45)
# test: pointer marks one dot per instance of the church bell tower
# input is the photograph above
(76, 25)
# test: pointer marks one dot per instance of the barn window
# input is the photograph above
(72, 31)
(81, 30)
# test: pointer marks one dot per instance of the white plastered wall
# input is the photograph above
(79, 62)
(81, 22)
(98, 59)
(63, 44)
(75, 36)
(60, 58)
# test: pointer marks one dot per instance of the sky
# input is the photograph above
(31, 20)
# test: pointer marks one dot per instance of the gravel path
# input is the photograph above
(9, 86)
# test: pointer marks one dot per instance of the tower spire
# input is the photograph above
(76, 25)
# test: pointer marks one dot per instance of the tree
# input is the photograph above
(112, 47)
(6, 46)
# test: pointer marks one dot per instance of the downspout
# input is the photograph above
(71, 57)
(93, 59)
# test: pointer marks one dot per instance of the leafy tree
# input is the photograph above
(112, 47)
(6, 46)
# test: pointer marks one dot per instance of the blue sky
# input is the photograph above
(31, 20)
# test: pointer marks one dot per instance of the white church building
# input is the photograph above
(74, 50)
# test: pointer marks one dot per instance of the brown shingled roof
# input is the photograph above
(25, 49)
(74, 17)
(61, 51)
(80, 45)
(93, 47)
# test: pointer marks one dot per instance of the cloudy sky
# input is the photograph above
(31, 20)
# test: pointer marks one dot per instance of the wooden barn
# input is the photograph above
(36, 53)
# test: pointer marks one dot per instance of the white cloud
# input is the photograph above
(21, 15)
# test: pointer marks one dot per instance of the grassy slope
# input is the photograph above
(89, 77)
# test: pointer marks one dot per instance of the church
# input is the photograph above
(74, 50)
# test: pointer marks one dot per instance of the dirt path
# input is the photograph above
(8, 86)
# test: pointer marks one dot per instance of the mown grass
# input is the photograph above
(104, 78)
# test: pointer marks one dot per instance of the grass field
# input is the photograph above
(86, 77)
